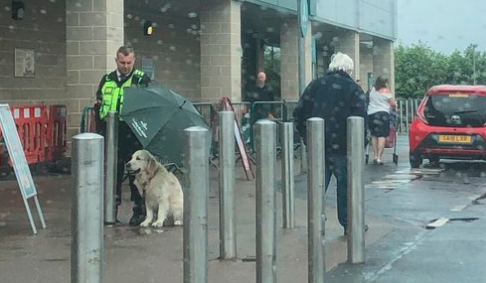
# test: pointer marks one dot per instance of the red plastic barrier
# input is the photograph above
(3, 153)
(57, 132)
(32, 122)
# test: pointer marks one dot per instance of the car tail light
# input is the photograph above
(421, 111)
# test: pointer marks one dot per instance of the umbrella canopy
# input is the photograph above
(158, 117)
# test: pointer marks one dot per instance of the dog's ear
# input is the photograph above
(151, 166)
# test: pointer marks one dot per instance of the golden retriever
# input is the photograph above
(163, 191)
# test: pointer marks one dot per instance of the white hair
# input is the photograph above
(341, 62)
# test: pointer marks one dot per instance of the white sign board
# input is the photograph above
(19, 162)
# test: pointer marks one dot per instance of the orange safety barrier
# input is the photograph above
(56, 132)
(31, 123)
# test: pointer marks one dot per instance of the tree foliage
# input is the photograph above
(418, 67)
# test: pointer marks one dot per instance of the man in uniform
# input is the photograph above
(110, 98)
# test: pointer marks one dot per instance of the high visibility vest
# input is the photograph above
(113, 95)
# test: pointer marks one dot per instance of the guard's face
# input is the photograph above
(124, 64)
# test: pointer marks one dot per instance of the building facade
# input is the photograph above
(203, 49)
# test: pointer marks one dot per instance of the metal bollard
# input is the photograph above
(315, 204)
(196, 198)
(227, 213)
(356, 217)
(266, 224)
(288, 202)
(87, 210)
(111, 166)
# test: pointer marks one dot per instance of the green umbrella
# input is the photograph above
(158, 117)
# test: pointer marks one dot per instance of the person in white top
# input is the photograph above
(381, 101)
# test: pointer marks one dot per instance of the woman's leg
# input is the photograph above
(374, 142)
(380, 146)
(384, 131)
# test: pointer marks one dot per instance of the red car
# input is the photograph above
(450, 123)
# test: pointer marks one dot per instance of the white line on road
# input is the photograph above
(459, 208)
(406, 249)
(475, 197)
(437, 223)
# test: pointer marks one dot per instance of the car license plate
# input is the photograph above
(455, 139)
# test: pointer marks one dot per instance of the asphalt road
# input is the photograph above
(439, 222)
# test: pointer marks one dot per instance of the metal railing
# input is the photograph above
(407, 108)
(246, 114)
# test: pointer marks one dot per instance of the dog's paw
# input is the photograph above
(145, 224)
(178, 223)
(158, 224)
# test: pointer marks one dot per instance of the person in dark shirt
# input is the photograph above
(333, 97)
(260, 92)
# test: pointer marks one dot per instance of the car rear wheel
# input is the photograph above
(415, 160)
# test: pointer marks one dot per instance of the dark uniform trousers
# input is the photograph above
(127, 145)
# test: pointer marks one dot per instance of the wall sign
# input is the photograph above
(24, 63)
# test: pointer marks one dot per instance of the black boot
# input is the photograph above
(138, 214)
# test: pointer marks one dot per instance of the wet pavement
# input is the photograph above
(400, 203)
(152, 255)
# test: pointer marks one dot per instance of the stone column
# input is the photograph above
(366, 65)
(348, 43)
(94, 31)
(221, 50)
(289, 64)
(384, 60)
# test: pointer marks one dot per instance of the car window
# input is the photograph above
(456, 110)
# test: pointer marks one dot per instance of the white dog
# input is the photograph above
(163, 191)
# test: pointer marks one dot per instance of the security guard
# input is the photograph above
(110, 98)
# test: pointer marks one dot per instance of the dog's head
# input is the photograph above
(142, 161)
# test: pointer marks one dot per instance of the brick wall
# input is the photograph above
(174, 47)
(43, 29)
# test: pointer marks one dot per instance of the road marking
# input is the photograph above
(403, 176)
(391, 182)
(405, 250)
(423, 171)
(475, 197)
(459, 208)
(437, 223)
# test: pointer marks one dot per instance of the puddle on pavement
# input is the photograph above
(464, 219)
(55, 259)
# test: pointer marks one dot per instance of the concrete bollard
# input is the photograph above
(87, 249)
(288, 202)
(196, 198)
(315, 191)
(356, 217)
(266, 224)
(111, 166)
(227, 210)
